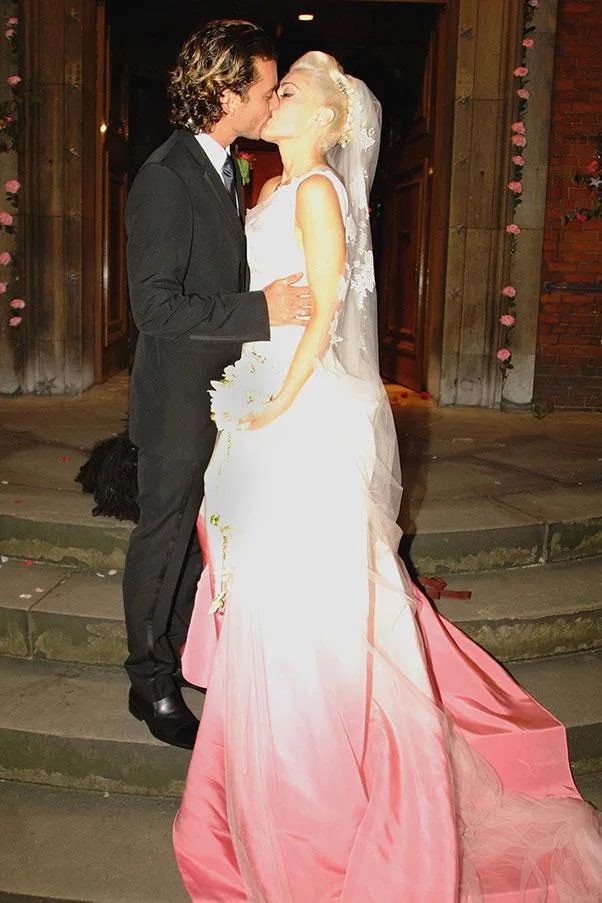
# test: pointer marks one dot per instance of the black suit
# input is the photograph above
(188, 281)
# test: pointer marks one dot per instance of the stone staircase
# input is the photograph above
(88, 796)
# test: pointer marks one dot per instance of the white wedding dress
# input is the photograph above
(354, 746)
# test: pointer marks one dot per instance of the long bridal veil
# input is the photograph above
(527, 830)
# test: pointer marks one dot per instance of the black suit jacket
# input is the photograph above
(188, 283)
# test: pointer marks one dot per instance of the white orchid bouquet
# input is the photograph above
(243, 388)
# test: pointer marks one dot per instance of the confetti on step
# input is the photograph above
(4, 559)
(28, 563)
(25, 596)
(64, 459)
(5, 482)
(98, 574)
(40, 589)
(112, 572)
(18, 501)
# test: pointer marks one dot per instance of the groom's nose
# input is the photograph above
(274, 102)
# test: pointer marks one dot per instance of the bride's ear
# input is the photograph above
(324, 116)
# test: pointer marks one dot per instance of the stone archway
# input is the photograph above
(59, 202)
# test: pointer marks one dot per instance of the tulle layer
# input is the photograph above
(355, 746)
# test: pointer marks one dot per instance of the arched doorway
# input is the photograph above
(398, 48)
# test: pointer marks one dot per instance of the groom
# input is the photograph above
(190, 298)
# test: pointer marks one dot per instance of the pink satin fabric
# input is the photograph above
(326, 771)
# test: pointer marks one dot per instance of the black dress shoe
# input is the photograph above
(168, 719)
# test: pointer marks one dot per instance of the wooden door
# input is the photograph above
(404, 273)
(111, 191)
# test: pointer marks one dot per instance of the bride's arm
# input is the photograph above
(318, 216)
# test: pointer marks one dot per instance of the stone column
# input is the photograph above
(59, 200)
(526, 263)
(478, 263)
(10, 338)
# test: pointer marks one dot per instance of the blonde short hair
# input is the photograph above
(332, 89)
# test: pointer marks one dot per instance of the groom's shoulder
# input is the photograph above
(180, 153)
(168, 152)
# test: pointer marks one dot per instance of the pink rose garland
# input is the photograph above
(8, 126)
(518, 140)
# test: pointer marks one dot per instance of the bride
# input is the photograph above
(354, 745)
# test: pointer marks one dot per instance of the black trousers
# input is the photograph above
(162, 568)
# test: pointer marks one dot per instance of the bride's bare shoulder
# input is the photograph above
(268, 188)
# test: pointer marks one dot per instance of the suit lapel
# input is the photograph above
(215, 185)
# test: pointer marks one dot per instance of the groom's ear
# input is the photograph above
(230, 101)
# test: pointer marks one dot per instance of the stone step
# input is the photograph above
(94, 847)
(504, 528)
(66, 614)
(531, 612)
(100, 848)
(67, 725)
(57, 525)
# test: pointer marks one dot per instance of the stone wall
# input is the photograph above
(58, 204)
(569, 352)
(479, 263)
(10, 339)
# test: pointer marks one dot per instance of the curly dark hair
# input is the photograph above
(219, 56)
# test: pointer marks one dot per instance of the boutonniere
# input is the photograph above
(245, 165)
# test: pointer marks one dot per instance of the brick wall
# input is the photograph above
(568, 370)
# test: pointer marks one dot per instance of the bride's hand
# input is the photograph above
(270, 411)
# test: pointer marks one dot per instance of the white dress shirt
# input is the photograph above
(216, 153)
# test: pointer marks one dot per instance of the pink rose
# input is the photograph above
(3, 287)
(519, 141)
(507, 320)
(518, 160)
(516, 187)
(12, 186)
(534, 3)
(14, 321)
(593, 167)
(13, 21)
(529, 43)
(243, 155)
(581, 217)
(519, 128)
(5, 259)
(13, 80)
(523, 93)
(520, 72)
(17, 304)
(513, 229)
(509, 291)
(10, 32)
(504, 354)
(5, 218)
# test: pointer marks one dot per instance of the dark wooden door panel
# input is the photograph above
(112, 184)
(402, 326)
(405, 258)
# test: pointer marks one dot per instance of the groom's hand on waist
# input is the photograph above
(288, 303)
